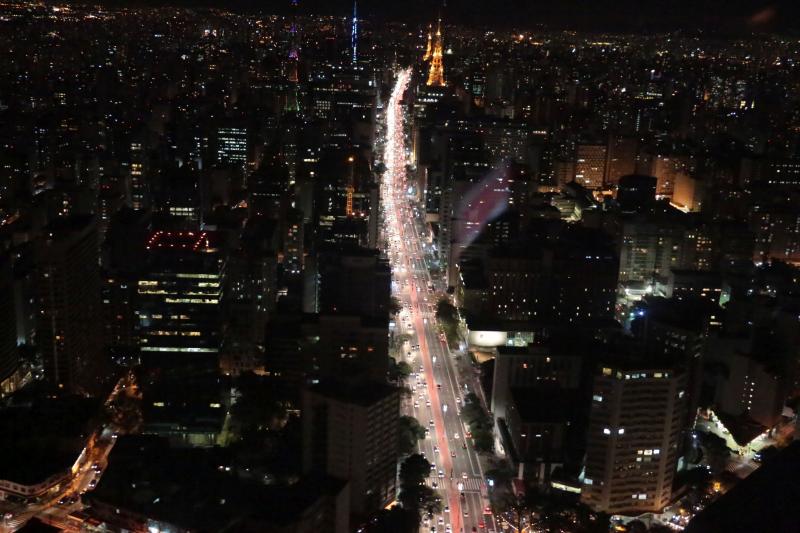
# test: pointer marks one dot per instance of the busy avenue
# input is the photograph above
(437, 390)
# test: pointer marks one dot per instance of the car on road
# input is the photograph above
(430, 423)
(464, 475)
(446, 508)
(441, 474)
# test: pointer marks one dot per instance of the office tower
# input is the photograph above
(180, 299)
(354, 33)
(775, 223)
(294, 242)
(268, 189)
(123, 259)
(531, 367)
(181, 195)
(9, 358)
(232, 146)
(68, 288)
(667, 168)
(783, 173)
(621, 158)
(569, 280)
(350, 432)
(689, 192)
(636, 193)
(563, 172)
(590, 165)
(251, 295)
(140, 193)
(354, 281)
(352, 347)
(635, 425)
(14, 179)
(345, 198)
(651, 245)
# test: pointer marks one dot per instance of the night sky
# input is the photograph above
(612, 15)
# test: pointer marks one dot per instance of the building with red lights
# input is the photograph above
(180, 299)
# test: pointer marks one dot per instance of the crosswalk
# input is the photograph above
(471, 484)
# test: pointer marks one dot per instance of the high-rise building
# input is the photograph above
(9, 359)
(140, 188)
(570, 280)
(354, 281)
(352, 347)
(667, 168)
(293, 242)
(636, 193)
(69, 327)
(621, 158)
(250, 295)
(350, 432)
(354, 33)
(232, 148)
(528, 368)
(651, 246)
(181, 194)
(180, 298)
(635, 425)
(590, 165)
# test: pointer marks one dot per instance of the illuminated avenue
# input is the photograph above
(399, 267)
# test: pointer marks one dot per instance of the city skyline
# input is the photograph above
(361, 267)
(714, 16)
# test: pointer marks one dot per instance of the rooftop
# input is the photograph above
(766, 501)
(197, 241)
(545, 405)
(191, 488)
(362, 393)
(42, 435)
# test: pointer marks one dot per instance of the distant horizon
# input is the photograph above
(613, 16)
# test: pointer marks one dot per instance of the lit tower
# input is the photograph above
(351, 187)
(292, 100)
(436, 72)
(429, 47)
(354, 33)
